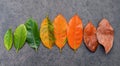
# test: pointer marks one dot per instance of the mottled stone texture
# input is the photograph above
(15, 12)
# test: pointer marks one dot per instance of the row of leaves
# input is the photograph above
(58, 33)
(25, 32)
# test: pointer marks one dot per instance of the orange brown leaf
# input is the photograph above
(90, 37)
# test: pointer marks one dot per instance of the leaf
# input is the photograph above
(20, 37)
(46, 33)
(60, 31)
(75, 32)
(8, 39)
(105, 35)
(90, 37)
(32, 33)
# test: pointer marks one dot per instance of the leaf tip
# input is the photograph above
(8, 49)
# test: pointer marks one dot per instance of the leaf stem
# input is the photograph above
(60, 50)
(17, 50)
(36, 49)
(75, 50)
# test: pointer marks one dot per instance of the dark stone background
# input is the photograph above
(15, 12)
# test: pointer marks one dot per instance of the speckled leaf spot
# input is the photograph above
(20, 37)
(105, 35)
(90, 37)
(75, 32)
(46, 33)
(8, 39)
(33, 38)
(60, 31)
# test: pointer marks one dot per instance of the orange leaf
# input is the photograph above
(60, 31)
(75, 32)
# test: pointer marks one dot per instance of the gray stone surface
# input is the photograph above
(15, 12)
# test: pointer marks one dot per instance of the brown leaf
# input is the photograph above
(90, 38)
(105, 35)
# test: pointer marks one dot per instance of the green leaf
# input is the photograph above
(8, 39)
(33, 38)
(46, 33)
(20, 37)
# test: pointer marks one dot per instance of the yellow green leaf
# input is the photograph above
(46, 33)
(8, 39)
